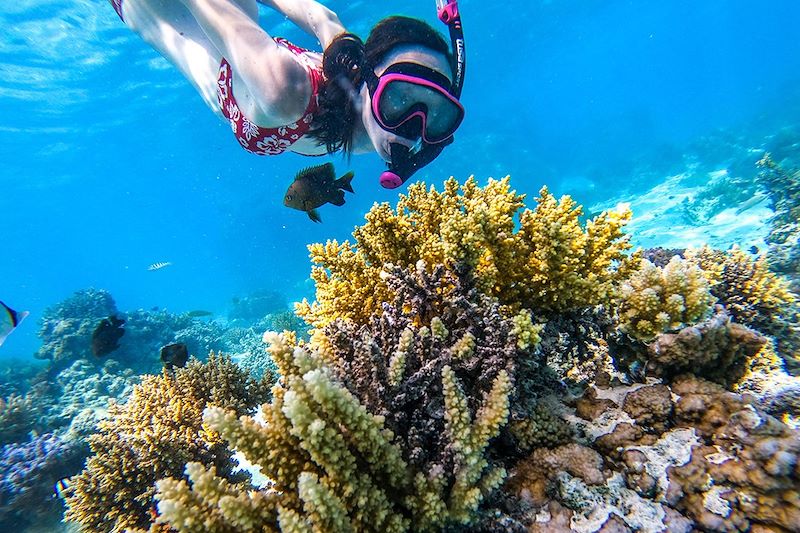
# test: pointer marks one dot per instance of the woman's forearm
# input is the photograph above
(314, 18)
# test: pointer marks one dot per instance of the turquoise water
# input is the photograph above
(111, 162)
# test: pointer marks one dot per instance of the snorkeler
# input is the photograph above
(396, 94)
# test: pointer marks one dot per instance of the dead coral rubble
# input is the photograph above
(689, 455)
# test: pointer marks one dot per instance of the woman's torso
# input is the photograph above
(171, 29)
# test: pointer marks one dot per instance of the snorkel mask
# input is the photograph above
(414, 101)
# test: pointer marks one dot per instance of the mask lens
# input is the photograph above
(400, 100)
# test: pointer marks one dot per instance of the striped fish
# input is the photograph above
(159, 266)
(60, 487)
(9, 320)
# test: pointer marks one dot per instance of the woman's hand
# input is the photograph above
(314, 18)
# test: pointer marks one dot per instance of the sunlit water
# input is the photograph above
(110, 161)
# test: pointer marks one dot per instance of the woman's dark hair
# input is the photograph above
(342, 62)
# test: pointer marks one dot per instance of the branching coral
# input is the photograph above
(335, 465)
(654, 300)
(550, 263)
(394, 364)
(154, 435)
(754, 296)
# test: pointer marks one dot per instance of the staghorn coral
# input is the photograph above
(153, 435)
(654, 300)
(333, 462)
(551, 262)
(754, 296)
(394, 364)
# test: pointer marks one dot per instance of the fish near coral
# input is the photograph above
(316, 186)
(9, 320)
(174, 355)
(199, 313)
(106, 336)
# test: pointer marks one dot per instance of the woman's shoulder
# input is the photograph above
(288, 82)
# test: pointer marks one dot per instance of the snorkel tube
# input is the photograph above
(404, 161)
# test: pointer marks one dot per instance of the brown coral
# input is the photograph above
(716, 349)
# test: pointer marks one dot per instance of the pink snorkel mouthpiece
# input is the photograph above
(390, 180)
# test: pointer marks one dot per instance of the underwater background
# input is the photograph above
(111, 162)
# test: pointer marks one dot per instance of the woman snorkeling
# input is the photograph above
(395, 94)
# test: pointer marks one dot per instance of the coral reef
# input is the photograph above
(153, 435)
(717, 349)
(18, 414)
(679, 457)
(784, 239)
(28, 473)
(470, 372)
(394, 364)
(66, 332)
(416, 396)
(354, 479)
(551, 263)
(654, 300)
(257, 305)
(754, 296)
(66, 328)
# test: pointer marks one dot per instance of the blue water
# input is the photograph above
(110, 161)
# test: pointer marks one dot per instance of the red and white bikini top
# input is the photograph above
(253, 138)
(268, 141)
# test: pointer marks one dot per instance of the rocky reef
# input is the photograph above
(468, 372)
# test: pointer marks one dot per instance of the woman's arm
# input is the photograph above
(311, 16)
(267, 68)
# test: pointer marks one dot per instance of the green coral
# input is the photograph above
(334, 465)
(550, 262)
(654, 300)
(153, 435)
(540, 428)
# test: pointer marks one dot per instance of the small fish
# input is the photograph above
(754, 250)
(106, 335)
(159, 266)
(317, 186)
(9, 320)
(61, 487)
(197, 313)
(174, 355)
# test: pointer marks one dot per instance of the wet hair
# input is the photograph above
(342, 64)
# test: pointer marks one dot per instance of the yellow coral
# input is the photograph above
(474, 479)
(655, 300)
(152, 436)
(747, 288)
(551, 262)
(334, 465)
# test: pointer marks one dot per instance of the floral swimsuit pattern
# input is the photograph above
(253, 138)
(257, 139)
